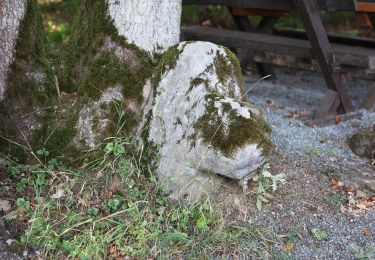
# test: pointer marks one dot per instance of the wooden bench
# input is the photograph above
(330, 57)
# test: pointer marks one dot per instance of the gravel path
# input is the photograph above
(310, 157)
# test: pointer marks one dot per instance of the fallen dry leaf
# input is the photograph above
(367, 232)
(348, 189)
(360, 194)
(289, 246)
(334, 184)
(338, 120)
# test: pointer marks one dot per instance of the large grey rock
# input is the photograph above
(362, 143)
(202, 124)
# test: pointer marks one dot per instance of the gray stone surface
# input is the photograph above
(362, 143)
(186, 94)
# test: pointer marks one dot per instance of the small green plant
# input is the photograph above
(292, 235)
(43, 152)
(114, 147)
(16, 170)
(361, 253)
(266, 181)
(112, 204)
(314, 151)
(336, 200)
(331, 152)
(319, 233)
(23, 204)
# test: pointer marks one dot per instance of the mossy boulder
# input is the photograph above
(200, 121)
(362, 143)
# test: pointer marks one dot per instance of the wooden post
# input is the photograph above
(336, 80)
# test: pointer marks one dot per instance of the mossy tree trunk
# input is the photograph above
(112, 78)
(63, 101)
(25, 74)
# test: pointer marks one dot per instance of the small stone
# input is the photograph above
(362, 143)
(367, 232)
(351, 220)
(58, 194)
(5, 205)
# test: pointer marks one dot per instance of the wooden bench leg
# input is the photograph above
(335, 79)
(266, 26)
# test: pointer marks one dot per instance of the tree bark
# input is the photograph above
(25, 83)
(64, 102)
(11, 15)
(151, 25)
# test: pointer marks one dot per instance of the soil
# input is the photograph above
(316, 161)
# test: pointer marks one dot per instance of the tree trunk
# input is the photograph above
(25, 83)
(65, 102)
(11, 15)
(151, 25)
(115, 78)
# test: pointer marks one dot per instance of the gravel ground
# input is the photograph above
(309, 157)
(301, 92)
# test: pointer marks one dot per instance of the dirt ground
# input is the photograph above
(328, 187)
(323, 211)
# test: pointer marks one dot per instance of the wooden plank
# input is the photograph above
(348, 55)
(333, 38)
(369, 103)
(283, 5)
(363, 21)
(244, 24)
(239, 11)
(332, 119)
(304, 64)
(249, 40)
(365, 6)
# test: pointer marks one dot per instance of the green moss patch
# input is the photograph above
(166, 62)
(107, 71)
(92, 26)
(227, 66)
(30, 58)
(57, 133)
(239, 132)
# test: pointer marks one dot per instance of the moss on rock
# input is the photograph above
(237, 132)
(362, 143)
(227, 66)
(166, 62)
